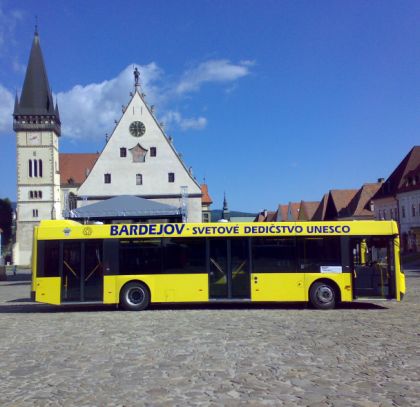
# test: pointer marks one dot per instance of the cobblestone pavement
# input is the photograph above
(233, 355)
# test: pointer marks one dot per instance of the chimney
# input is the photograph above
(381, 180)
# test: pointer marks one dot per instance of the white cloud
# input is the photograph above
(220, 70)
(88, 111)
(18, 67)
(6, 110)
(8, 21)
(190, 123)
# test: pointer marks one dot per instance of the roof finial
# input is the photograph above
(36, 25)
(136, 77)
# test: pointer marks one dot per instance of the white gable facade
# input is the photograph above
(140, 160)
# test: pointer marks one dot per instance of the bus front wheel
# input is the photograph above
(134, 296)
(322, 295)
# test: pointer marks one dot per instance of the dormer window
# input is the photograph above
(138, 153)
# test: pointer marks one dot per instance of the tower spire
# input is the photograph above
(225, 212)
(36, 99)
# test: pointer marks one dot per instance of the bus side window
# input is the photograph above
(273, 255)
(184, 255)
(111, 256)
(140, 256)
(317, 252)
(48, 258)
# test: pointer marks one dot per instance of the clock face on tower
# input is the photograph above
(137, 129)
(34, 138)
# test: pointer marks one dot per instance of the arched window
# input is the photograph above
(30, 168)
(40, 194)
(35, 168)
(107, 178)
(72, 201)
(40, 167)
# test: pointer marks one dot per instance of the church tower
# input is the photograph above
(37, 125)
(225, 211)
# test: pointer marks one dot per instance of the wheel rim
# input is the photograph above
(325, 294)
(135, 296)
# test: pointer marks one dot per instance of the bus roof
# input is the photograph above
(69, 230)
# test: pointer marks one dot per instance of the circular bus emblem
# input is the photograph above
(87, 231)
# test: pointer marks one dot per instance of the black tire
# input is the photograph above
(322, 295)
(134, 296)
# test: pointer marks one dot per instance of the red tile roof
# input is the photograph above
(359, 206)
(411, 181)
(294, 210)
(205, 198)
(396, 180)
(320, 210)
(342, 197)
(307, 209)
(266, 216)
(282, 216)
(74, 168)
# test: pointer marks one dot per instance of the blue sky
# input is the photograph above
(270, 101)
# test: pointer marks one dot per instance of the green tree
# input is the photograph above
(6, 219)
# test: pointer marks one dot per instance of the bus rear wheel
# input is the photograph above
(134, 296)
(322, 295)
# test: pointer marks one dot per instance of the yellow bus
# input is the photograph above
(133, 265)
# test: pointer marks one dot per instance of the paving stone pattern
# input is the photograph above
(217, 355)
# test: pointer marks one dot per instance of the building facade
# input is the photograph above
(139, 159)
(408, 197)
(399, 199)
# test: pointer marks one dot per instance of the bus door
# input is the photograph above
(373, 267)
(275, 275)
(229, 268)
(82, 271)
